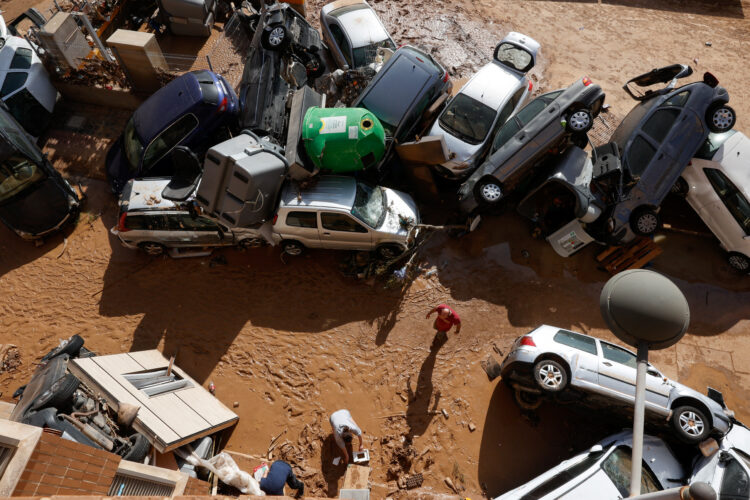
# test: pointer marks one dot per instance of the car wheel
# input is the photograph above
(680, 188)
(691, 424)
(489, 191)
(314, 66)
(720, 118)
(527, 400)
(274, 37)
(388, 252)
(739, 262)
(550, 375)
(138, 449)
(250, 243)
(71, 347)
(59, 393)
(580, 140)
(644, 221)
(580, 121)
(293, 248)
(153, 248)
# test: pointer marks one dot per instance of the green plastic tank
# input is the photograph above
(343, 139)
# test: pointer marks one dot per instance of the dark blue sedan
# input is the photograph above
(188, 111)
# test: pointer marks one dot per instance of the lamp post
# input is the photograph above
(647, 311)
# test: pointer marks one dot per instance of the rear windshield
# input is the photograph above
(712, 144)
(393, 94)
(513, 57)
(468, 119)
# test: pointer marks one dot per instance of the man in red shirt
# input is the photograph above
(446, 318)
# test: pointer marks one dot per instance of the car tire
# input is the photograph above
(388, 252)
(527, 400)
(739, 262)
(72, 347)
(152, 248)
(579, 121)
(550, 375)
(580, 140)
(59, 393)
(680, 188)
(139, 447)
(314, 66)
(644, 221)
(274, 37)
(488, 191)
(293, 248)
(690, 424)
(720, 118)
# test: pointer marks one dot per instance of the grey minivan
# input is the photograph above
(655, 142)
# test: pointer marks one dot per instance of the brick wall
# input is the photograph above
(196, 487)
(61, 467)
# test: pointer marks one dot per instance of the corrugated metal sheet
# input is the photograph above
(128, 486)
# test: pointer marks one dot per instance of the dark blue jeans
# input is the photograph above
(280, 473)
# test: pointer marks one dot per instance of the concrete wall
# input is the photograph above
(100, 96)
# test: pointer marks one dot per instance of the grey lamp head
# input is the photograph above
(643, 306)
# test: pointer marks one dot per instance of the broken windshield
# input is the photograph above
(369, 205)
(514, 57)
(468, 119)
(16, 174)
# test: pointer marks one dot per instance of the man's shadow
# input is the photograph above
(419, 414)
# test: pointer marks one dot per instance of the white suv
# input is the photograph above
(716, 183)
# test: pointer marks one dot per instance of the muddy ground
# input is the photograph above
(292, 340)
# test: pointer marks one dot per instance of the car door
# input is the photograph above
(617, 372)
(342, 231)
(197, 230)
(342, 48)
(163, 143)
(302, 226)
(729, 216)
(584, 356)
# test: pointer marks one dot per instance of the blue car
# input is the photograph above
(188, 111)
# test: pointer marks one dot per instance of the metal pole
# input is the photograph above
(638, 417)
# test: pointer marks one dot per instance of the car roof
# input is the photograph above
(492, 85)
(166, 105)
(145, 195)
(733, 157)
(362, 25)
(329, 191)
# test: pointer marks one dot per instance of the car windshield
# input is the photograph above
(369, 205)
(617, 466)
(132, 146)
(564, 476)
(365, 55)
(712, 144)
(513, 57)
(468, 119)
(16, 174)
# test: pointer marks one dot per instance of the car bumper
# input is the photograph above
(518, 365)
(115, 232)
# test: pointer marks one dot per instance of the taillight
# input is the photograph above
(223, 105)
(531, 85)
(275, 218)
(586, 81)
(121, 224)
(446, 76)
(528, 341)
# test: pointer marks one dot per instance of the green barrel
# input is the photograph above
(343, 139)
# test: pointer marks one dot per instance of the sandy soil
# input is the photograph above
(293, 341)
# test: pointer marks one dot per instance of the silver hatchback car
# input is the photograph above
(553, 359)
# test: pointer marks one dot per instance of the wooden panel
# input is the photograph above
(100, 381)
(149, 360)
(356, 478)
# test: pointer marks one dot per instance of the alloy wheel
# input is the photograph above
(491, 192)
(739, 262)
(723, 118)
(647, 223)
(550, 376)
(691, 423)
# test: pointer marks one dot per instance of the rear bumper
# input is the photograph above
(518, 365)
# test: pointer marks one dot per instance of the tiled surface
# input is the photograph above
(61, 467)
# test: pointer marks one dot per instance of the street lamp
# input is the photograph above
(647, 311)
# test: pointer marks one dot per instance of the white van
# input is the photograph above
(25, 85)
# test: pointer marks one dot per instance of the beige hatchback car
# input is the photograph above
(342, 213)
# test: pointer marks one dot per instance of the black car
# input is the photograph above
(35, 200)
(405, 87)
(281, 37)
(548, 124)
(654, 144)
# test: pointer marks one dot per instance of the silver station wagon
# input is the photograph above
(553, 359)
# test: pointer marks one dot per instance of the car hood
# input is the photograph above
(39, 209)
(401, 215)
(118, 168)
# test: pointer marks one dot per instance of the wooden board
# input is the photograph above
(357, 477)
(633, 256)
(169, 420)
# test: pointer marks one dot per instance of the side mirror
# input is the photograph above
(596, 448)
